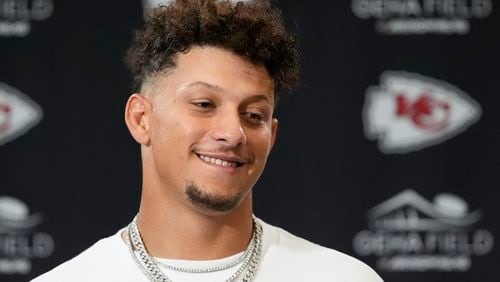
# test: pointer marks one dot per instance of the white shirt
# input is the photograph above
(285, 257)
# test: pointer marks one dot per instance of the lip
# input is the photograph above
(224, 157)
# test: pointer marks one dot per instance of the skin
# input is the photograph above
(213, 103)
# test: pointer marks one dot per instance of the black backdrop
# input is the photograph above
(74, 176)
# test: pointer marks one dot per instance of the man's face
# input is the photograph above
(210, 127)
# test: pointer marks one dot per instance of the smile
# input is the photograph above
(219, 162)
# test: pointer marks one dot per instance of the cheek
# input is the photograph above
(262, 144)
(176, 134)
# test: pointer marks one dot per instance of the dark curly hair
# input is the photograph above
(253, 29)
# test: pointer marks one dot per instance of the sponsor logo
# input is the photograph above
(20, 242)
(408, 233)
(16, 16)
(18, 113)
(422, 16)
(409, 112)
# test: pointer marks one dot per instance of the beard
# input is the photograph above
(211, 202)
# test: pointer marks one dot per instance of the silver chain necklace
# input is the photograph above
(232, 263)
(150, 266)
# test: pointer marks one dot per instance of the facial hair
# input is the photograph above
(211, 202)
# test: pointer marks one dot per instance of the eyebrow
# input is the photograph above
(254, 98)
(257, 98)
(205, 84)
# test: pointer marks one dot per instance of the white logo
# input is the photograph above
(446, 212)
(408, 233)
(422, 16)
(18, 113)
(19, 242)
(15, 217)
(408, 112)
(16, 16)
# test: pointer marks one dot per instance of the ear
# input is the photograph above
(137, 113)
(274, 129)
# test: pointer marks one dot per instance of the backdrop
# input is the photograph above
(388, 150)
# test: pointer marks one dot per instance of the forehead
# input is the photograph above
(222, 68)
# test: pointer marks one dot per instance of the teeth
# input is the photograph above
(218, 162)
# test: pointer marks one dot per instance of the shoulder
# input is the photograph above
(92, 263)
(309, 260)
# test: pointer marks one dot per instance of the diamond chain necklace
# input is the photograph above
(150, 266)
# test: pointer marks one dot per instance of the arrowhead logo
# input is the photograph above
(18, 113)
(409, 112)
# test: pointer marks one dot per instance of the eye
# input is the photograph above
(204, 105)
(256, 118)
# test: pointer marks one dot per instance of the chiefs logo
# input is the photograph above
(423, 111)
(18, 113)
(408, 112)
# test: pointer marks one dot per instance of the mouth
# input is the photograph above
(221, 161)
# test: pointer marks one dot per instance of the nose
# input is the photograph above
(228, 130)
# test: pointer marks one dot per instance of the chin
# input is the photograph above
(212, 202)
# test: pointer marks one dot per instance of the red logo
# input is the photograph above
(4, 117)
(425, 112)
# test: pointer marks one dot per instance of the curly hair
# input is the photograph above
(252, 29)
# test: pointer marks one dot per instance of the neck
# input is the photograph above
(174, 230)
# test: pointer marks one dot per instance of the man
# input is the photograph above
(207, 73)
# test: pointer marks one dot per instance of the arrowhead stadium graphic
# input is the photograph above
(15, 217)
(18, 113)
(408, 233)
(410, 211)
(408, 112)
